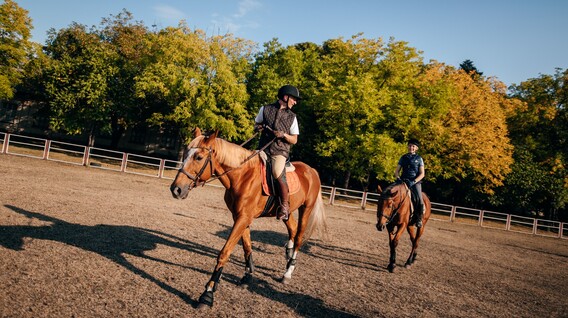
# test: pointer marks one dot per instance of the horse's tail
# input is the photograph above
(317, 221)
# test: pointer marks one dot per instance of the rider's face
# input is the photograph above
(291, 101)
(412, 148)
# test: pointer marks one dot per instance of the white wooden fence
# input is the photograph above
(162, 168)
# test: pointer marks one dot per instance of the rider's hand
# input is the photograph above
(279, 134)
(258, 127)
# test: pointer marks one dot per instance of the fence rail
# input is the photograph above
(162, 168)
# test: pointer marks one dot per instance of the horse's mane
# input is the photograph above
(231, 154)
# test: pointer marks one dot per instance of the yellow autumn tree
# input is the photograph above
(469, 137)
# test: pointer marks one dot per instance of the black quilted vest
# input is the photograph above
(277, 119)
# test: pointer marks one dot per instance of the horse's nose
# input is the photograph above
(380, 227)
(176, 191)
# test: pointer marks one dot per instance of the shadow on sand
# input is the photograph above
(115, 242)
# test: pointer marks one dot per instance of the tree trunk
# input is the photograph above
(91, 141)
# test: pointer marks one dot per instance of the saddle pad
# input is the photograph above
(291, 178)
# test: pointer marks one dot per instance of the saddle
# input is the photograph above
(268, 185)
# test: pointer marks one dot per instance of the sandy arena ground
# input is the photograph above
(86, 242)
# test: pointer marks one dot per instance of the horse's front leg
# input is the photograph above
(249, 265)
(414, 238)
(393, 243)
(206, 299)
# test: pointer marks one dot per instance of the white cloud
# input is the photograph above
(245, 6)
(169, 13)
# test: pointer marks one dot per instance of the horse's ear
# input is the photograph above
(196, 132)
(379, 190)
(214, 135)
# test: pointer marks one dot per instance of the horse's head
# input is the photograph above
(197, 165)
(386, 210)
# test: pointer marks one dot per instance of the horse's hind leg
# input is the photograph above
(292, 228)
(294, 242)
(249, 265)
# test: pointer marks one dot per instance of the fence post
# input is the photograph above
(535, 225)
(123, 164)
(508, 225)
(453, 214)
(6, 142)
(480, 222)
(364, 201)
(161, 169)
(86, 156)
(332, 196)
(46, 149)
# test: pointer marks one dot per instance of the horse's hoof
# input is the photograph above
(391, 268)
(246, 281)
(408, 265)
(285, 280)
(206, 300)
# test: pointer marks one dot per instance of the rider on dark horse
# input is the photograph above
(282, 124)
(412, 166)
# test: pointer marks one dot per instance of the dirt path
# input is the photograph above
(85, 242)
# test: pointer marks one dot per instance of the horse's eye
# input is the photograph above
(198, 157)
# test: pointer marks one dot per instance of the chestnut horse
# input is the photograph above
(207, 158)
(394, 211)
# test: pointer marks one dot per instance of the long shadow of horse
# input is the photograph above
(116, 242)
(110, 241)
(346, 256)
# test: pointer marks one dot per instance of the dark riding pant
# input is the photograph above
(417, 199)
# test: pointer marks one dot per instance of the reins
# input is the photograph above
(242, 163)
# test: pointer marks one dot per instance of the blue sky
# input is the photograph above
(512, 40)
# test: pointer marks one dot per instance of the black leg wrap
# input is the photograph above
(249, 267)
(215, 278)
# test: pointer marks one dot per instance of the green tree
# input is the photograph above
(539, 133)
(199, 81)
(469, 68)
(15, 27)
(363, 94)
(78, 81)
(127, 39)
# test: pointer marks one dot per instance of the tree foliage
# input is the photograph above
(79, 81)
(362, 100)
(15, 28)
(540, 134)
(199, 80)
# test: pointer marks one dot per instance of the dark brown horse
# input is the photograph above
(394, 212)
(238, 169)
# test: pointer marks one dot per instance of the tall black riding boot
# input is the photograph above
(419, 215)
(284, 210)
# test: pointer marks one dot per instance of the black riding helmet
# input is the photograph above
(290, 91)
(413, 141)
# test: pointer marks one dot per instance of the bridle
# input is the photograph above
(196, 178)
(394, 212)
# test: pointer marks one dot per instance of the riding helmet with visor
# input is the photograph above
(290, 91)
